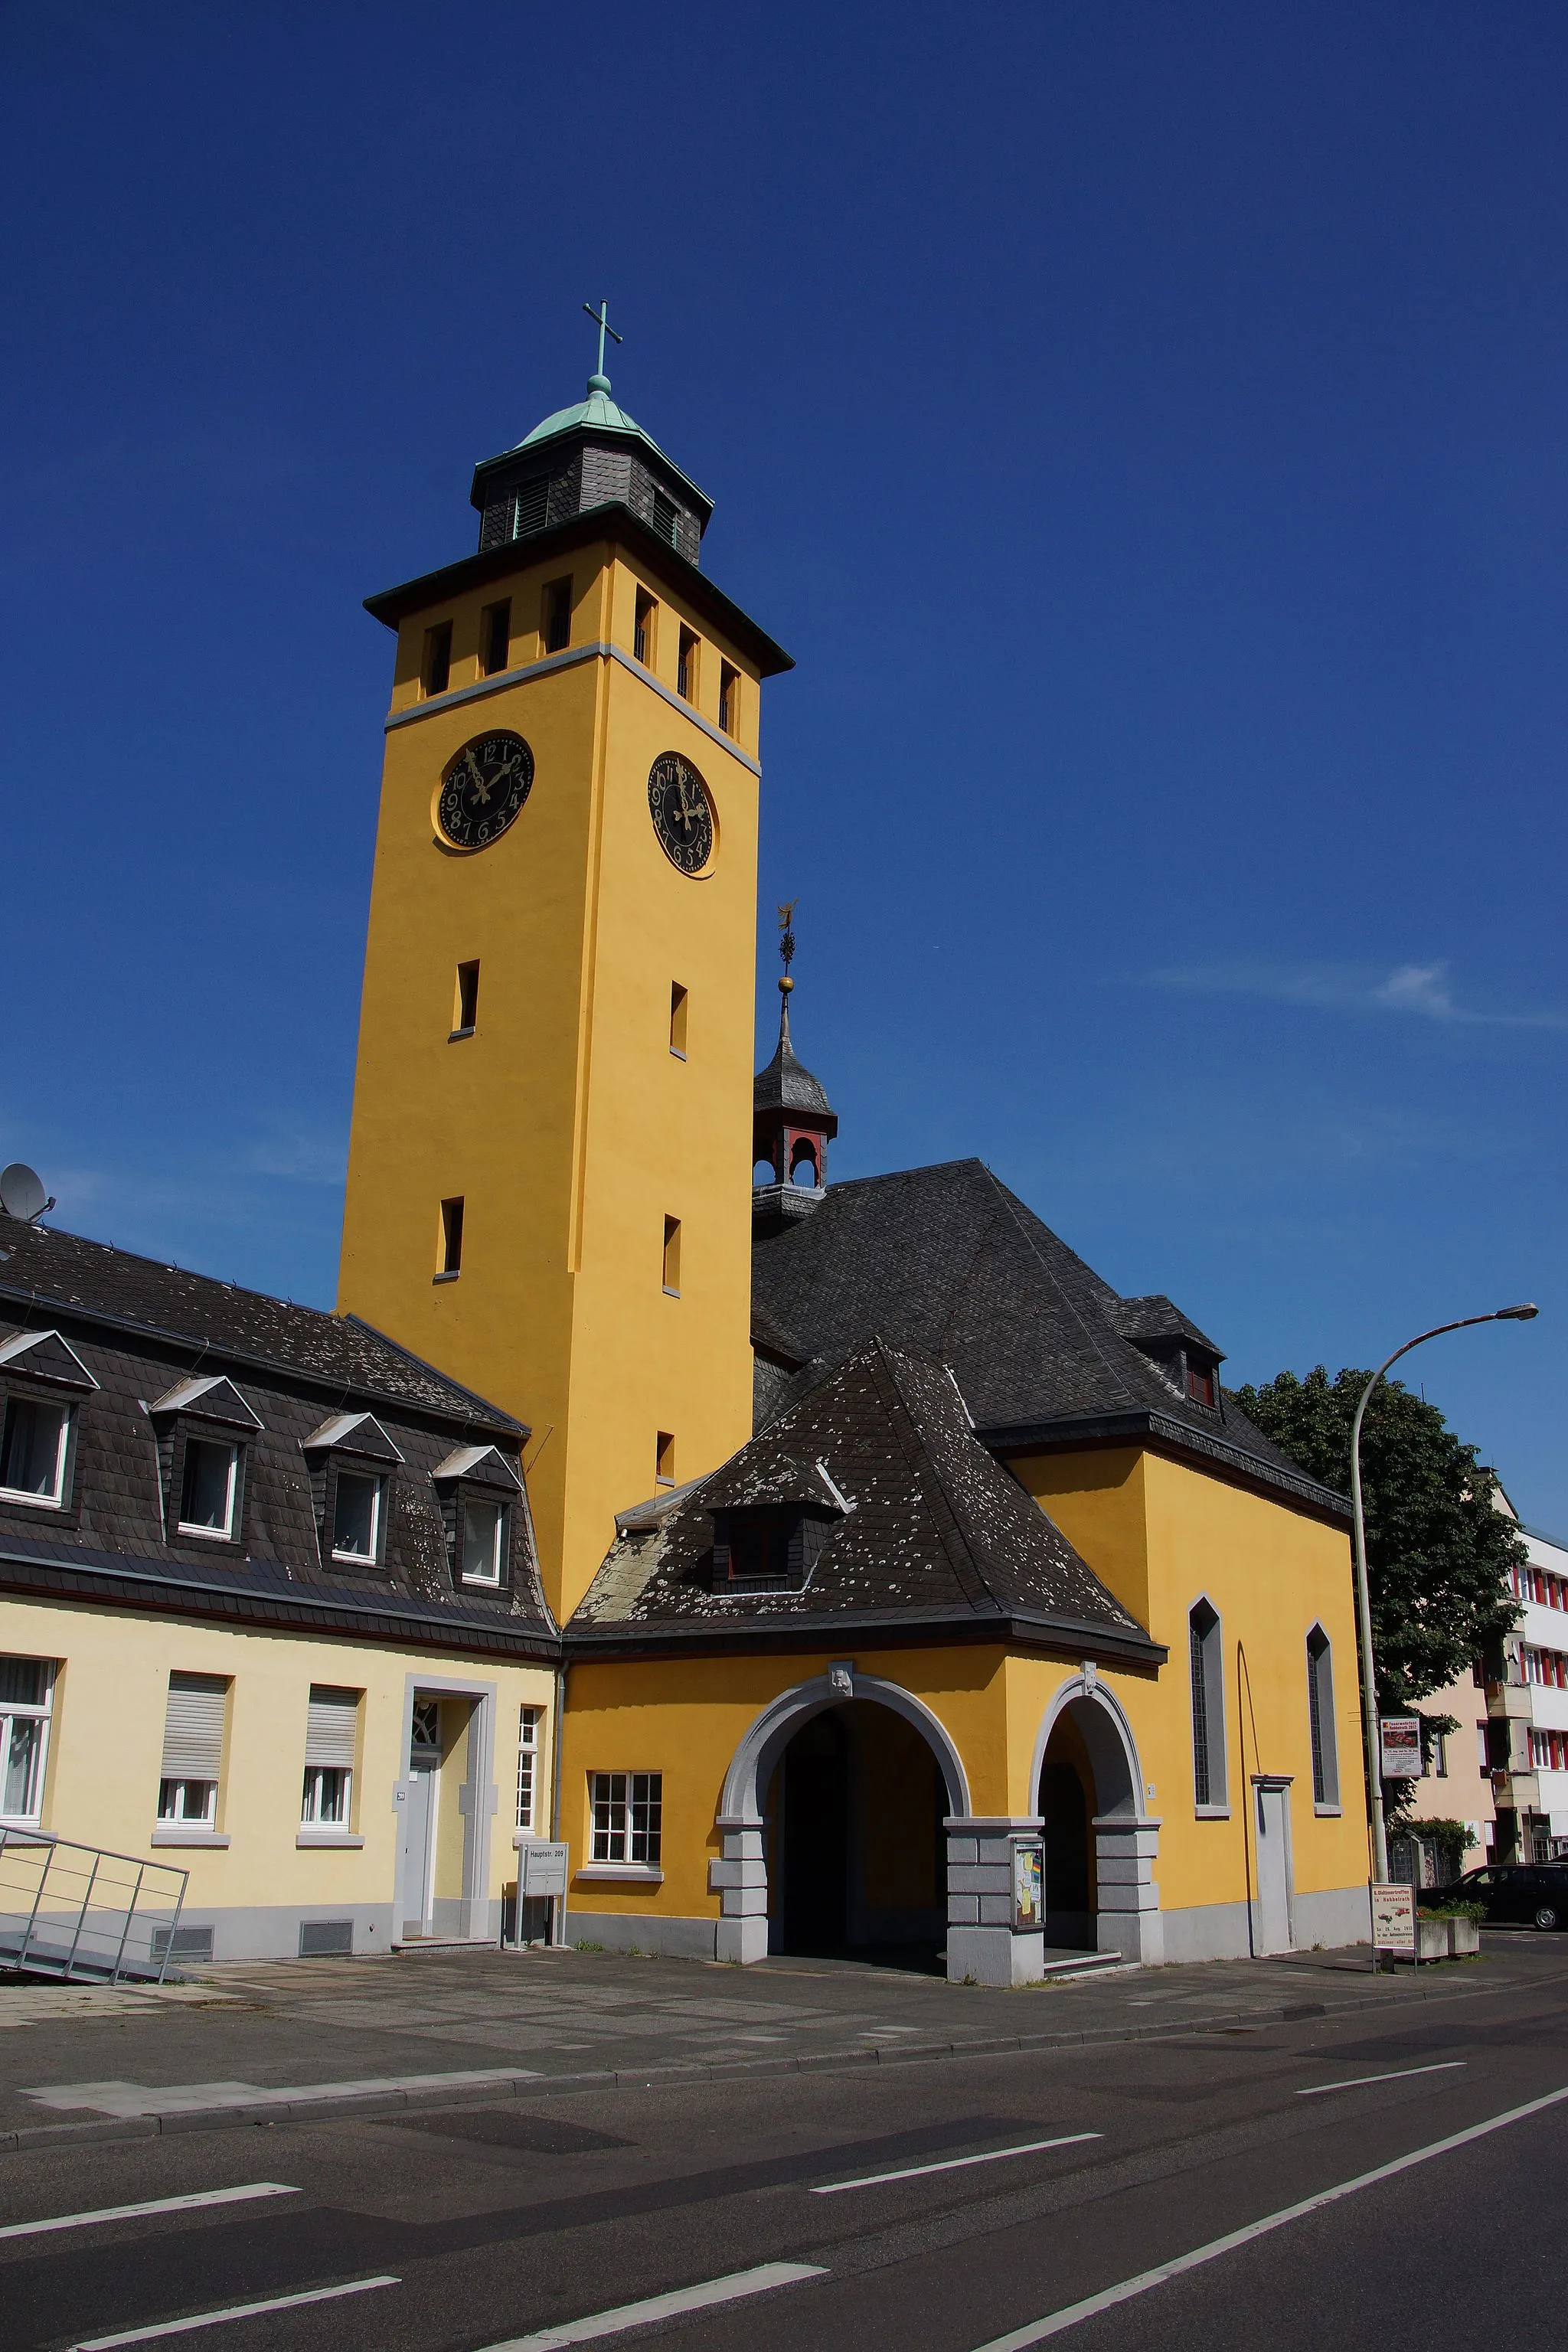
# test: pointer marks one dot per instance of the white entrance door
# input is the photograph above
(1272, 1818)
(419, 1816)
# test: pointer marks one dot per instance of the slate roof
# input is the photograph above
(156, 1341)
(947, 1261)
(247, 1327)
(785, 1083)
(938, 1536)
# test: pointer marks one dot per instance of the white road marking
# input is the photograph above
(1057, 2322)
(655, 2307)
(951, 2164)
(153, 2205)
(236, 2311)
(1443, 2067)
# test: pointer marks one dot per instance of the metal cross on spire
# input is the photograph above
(601, 317)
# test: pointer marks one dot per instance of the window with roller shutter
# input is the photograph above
(192, 1765)
(330, 1728)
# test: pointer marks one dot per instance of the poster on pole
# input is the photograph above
(1393, 1918)
(1399, 1740)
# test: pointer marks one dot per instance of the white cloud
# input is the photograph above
(1419, 989)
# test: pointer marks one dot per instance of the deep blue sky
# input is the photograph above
(1145, 424)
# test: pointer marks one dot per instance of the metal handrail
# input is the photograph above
(93, 1943)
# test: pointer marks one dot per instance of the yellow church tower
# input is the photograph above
(548, 1183)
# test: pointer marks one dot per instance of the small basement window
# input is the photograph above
(437, 668)
(207, 1488)
(642, 628)
(495, 636)
(677, 1000)
(33, 1451)
(557, 616)
(686, 666)
(451, 1261)
(465, 1000)
(729, 699)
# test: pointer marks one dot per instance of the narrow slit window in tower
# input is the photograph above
(672, 1256)
(451, 1239)
(642, 630)
(686, 668)
(497, 635)
(729, 699)
(438, 668)
(664, 1459)
(677, 1019)
(466, 1005)
(557, 616)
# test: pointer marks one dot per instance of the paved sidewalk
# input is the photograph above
(250, 2042)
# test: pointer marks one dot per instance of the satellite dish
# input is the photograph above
(22, 1193)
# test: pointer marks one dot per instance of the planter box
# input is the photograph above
(1464, 1935)
(1433, 1938)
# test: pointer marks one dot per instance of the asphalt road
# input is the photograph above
(917, 2205)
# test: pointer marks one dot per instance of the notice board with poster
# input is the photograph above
(1399, 1744)
(1029, 1882)
(1393, 1918)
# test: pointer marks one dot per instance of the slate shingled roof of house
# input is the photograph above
(946, 1260)
(241, 1326)
(147, 1341)
(938, 1532)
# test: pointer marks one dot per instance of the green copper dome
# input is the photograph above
(599, 410)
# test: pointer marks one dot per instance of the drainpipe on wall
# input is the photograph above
(558, 1907)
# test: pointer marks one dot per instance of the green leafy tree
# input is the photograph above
(1438, 1552)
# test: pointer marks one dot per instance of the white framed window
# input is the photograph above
(27, 1702)
(33, 1451)
(356, 1517)
(528, 1724)
(628, 1810)
(1206, 1668)
(1320, 1716)
(481, 1525)
(207, 1487)
(331, 1723)
(192, 1763)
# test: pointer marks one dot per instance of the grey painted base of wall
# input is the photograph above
(268, 1932)
(673, 1939)
(1219, 1931)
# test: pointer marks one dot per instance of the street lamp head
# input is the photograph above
(1516, 1314)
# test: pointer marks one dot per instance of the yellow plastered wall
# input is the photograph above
(1161, 1534)
(106, 1741)
(565, 1124)
(685, 1718)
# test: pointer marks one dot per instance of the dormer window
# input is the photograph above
(209, 1489)
(34, 1450)
(202, 1426)
(351, 1461)
(480, 1492)
(1200, 1383)
(770, 1539)
(356, 1517)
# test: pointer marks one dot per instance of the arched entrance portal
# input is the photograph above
(854, 1839)
(834, 1818)
(1101, 1845)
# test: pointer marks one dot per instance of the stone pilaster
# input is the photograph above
(1126, 1846)
(982, 1945)
(739, 1879)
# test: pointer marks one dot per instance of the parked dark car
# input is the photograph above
(1516, 1893)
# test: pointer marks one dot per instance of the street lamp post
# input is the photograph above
(1363, 1599)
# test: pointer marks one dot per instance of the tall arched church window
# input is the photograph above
(1321, 1714)
(1208, 1670)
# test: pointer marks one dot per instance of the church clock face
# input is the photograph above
(482, 788)
(682, 812)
